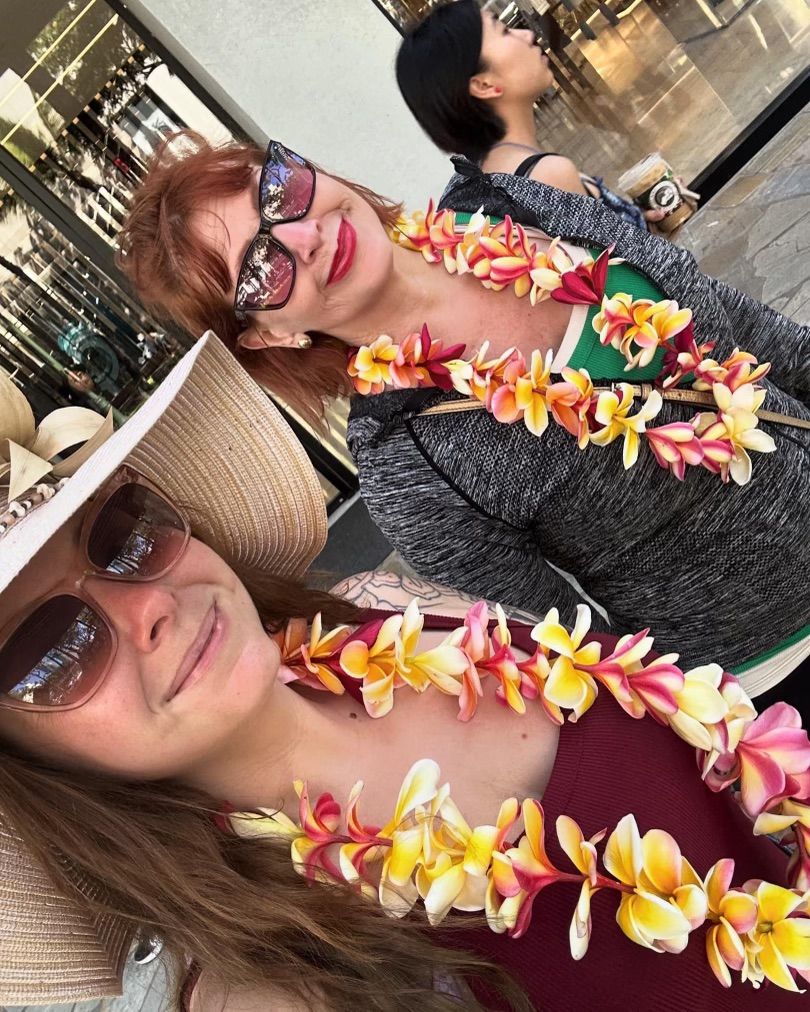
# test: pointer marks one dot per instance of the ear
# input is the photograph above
(253, 339)
(484, 87)
(258, 339)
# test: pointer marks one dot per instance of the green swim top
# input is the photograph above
(604, 362)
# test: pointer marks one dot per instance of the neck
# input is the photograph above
(518, 118)
(416, 291)
(457, 310)
(290, 737)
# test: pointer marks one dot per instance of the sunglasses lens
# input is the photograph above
(137, 535)
(33, 673)
(286, 187)
(266, 277)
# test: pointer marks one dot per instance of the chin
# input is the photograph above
(544, 82)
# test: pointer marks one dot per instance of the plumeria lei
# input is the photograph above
(427, 850)
(514, 390)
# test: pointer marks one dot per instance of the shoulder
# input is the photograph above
(559, 172)
(441, 469)
(209, 995)
(373, 418)
(552, 169)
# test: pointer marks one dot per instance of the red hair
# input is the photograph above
(181, 278)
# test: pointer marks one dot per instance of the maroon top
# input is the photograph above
(606, 766)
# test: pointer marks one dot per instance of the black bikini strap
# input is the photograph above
(529, 163)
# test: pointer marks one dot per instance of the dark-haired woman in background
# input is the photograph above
(471, 83)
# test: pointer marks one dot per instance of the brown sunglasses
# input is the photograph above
(57, 655)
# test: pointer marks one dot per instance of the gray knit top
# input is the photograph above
(718, 572)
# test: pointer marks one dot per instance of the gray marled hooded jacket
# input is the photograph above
(718, 572)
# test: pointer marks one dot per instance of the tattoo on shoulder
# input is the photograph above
(386, 590)
(380, 589)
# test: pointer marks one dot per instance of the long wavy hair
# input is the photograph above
(435, 62)
(181, 278)
(154, 859)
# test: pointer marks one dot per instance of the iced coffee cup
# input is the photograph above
(652, 185)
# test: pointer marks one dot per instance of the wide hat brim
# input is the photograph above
(214, 442)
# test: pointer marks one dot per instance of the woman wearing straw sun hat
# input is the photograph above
(180, 750)
(180, 445)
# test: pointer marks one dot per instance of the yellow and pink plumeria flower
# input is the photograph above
(613, 415)
(675, 445)
(420, 361)
(740, 368)
(570, 400)
(780, 938)
(623, 322)
(736, 421)
(761, 931)
(570, 683)
(734, 914)
(771, 760)
(370, 366)
(667, 900)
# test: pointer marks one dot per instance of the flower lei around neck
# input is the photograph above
(513, 390)
(427, 850)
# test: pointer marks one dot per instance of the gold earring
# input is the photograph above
(305, 342)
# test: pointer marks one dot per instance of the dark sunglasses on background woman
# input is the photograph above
(266, 277)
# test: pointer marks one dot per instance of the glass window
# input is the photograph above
(68, 328)
(84, 103)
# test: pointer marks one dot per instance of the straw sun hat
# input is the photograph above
(208, 437)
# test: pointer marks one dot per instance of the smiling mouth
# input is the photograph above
(200, 654)
(344, 252)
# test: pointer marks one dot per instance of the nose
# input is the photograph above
(142, 613)
(302, 238)
(528, 35)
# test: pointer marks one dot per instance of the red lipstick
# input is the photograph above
(344, 252)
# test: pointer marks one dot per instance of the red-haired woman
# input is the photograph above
(299, 271)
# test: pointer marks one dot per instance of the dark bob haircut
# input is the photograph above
(434, 65)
